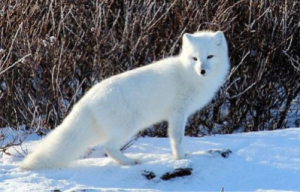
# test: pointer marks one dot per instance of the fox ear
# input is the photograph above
(219, 38)
(187, 39)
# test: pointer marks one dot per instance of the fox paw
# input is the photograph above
(130, 162)
(136, 162)
(181, 156)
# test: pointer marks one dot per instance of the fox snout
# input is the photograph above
(205, 69)
(203, 72)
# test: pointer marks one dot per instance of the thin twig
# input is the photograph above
(15, 63)
(292, 61)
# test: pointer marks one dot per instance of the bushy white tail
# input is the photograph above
(66, 143)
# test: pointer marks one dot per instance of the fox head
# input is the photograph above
(204, 51)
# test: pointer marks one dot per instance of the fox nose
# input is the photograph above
(203, 72)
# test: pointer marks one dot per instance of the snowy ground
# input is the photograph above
(261, 161)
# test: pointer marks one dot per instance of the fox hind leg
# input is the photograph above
(112, 150)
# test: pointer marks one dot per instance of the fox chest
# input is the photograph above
(200, 99)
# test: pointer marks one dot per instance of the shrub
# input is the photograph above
(52, 52)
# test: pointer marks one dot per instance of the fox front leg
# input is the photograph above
(176, 134)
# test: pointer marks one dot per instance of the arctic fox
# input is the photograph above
(114, 110)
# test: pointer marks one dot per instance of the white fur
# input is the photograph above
(117, 108)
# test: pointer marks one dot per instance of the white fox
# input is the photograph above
(114, 110)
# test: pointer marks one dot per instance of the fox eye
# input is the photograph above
(210, 56)
(194, 58)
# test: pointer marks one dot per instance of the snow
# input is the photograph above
(260, 161)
